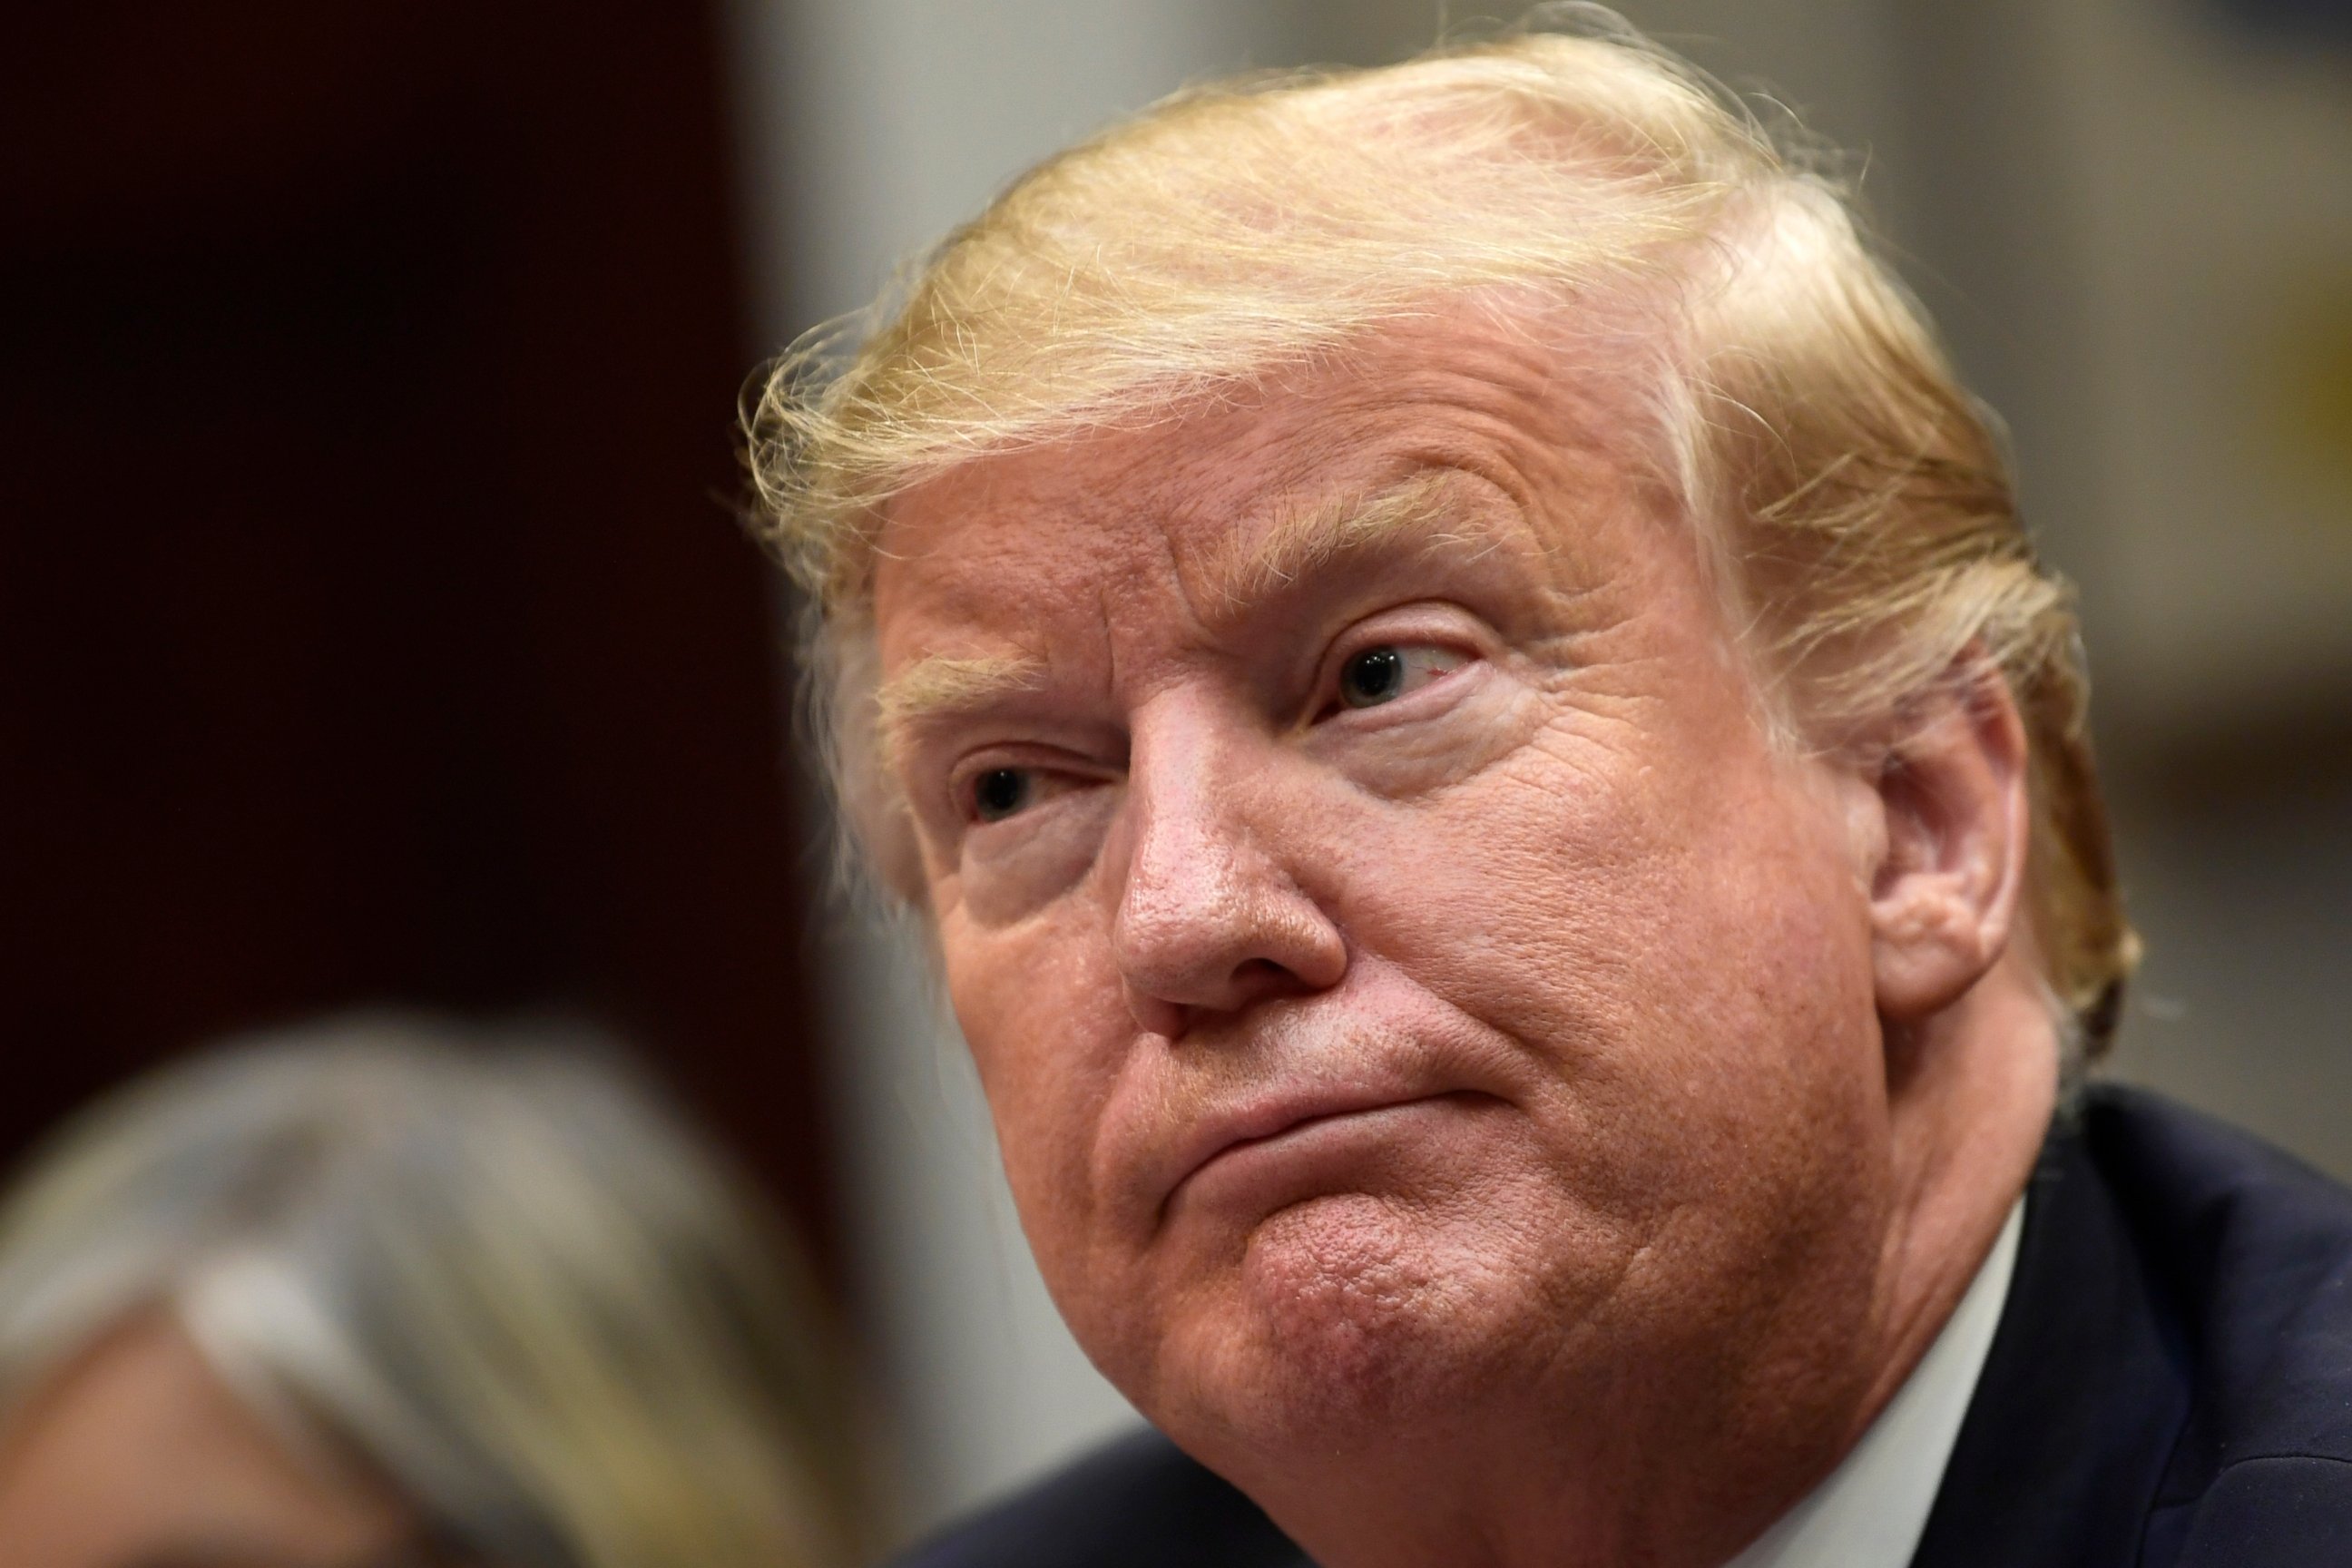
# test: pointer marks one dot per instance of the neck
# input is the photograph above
(1971, 1095)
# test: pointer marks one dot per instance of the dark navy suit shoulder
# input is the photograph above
(1139, 1503)
(2171, 1384)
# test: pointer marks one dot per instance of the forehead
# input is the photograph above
(1544, 435)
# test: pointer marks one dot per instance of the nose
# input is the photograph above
(1211, 917)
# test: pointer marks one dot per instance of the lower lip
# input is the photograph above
(1348, 1151)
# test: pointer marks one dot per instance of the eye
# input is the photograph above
(1390, 670)
(999, 792)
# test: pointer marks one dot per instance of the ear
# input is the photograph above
(1951, 797)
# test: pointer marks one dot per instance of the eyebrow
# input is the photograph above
(1303, 543)
(941, 685)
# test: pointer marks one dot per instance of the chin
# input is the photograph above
(1351, 1314)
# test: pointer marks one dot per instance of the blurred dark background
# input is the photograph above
(373, 625)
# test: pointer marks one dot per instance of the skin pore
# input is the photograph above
(1460, 1077)
(137, 1455)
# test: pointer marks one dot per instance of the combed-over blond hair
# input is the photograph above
(1853, 502)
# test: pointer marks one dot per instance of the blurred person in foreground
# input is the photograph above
(385, 1293)
(1505, 806)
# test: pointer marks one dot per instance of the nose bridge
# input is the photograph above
(1210, 915)
(1192, 847)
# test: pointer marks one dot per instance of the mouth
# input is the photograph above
(1260, 1134)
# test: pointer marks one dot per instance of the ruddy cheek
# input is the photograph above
(1045, 1030)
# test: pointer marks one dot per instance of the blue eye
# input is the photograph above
(1387, 671)
(1373, 677)
(998, 792)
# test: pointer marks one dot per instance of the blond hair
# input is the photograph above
(1855, 502)
(488, 1265)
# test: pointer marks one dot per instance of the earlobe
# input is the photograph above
(1951, 794)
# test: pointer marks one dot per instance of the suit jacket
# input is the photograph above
(2170, 1385)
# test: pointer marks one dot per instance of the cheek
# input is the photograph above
(1683, 947)
(1047, 1027)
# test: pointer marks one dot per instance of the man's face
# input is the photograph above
(1403, 970)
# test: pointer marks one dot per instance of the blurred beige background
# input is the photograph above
(2134, 219)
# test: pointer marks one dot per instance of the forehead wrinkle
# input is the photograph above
(1298, 543)
(940, 685)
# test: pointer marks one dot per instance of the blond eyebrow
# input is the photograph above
(940, 685)
(1301, 542)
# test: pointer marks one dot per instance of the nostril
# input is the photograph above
(1257, 980)
(1256, 972)
(1154, 1015)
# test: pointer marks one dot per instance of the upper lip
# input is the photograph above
(1266, 1116)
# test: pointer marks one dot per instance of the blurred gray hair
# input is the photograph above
(485, 1263)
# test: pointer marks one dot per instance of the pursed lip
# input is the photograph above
(1256, 1121)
